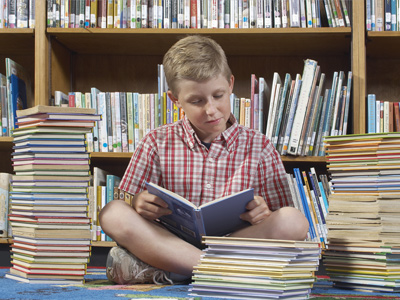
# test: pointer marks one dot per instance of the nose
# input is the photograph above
(210, 107)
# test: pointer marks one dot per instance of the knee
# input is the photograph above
(294, 223)
(111, 215)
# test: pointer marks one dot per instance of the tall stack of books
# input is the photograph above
(242, 268)
(49, 199)
(363, 222)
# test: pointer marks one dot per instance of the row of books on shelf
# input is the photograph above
(382, 15)
(301, 110)
(15, 93)
(17, 13)
(198, 13)
(383, 116)
(295, 113)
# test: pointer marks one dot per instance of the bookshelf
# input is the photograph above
(126, 60)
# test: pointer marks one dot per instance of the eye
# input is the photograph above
(218, 96)
(196, 101)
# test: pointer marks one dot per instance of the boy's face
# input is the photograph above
(206, 105)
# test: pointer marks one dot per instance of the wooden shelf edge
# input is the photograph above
(313, 159)
(103, 244)
(325, 30)
(5, 240)
(6, 139)
(116, 155)
(14, 31)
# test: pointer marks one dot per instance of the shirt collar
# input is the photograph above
(229, 135)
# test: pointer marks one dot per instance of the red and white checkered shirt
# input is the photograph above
(173, 157)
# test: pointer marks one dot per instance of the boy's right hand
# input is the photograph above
(149, 206)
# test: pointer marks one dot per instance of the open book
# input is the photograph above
(216, 218)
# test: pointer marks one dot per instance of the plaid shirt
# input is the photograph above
(173, 157)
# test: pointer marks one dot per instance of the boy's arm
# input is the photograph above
(272, 180)
(143, 167)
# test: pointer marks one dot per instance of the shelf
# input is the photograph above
(104, 244)
(5, 240)
(257, 41)
(6, 143)
(17, 41)
(383, 44)
(311, 159)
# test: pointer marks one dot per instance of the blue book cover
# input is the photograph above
(215, 218)
(18, 96)
(371, 101)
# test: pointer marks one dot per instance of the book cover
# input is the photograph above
(194, 222)
(19, 89)
(271, 112)
(4, 203)
(307, 81)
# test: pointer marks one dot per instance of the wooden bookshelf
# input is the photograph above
(126, 60)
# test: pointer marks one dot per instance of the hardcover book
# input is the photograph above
(216, 218)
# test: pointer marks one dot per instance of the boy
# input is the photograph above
(205, 156)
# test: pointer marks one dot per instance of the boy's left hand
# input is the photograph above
(258, 211)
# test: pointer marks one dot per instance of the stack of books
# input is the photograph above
(363, 250)
(243, 268)
(48, 198)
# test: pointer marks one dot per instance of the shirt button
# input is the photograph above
(208, 186)
(210, 159)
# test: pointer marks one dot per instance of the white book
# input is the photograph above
(60, 99)
(103, 134)
(99, 179)
(94, 94)
(334, 130)
(306, 86)
(118, 128)
(378, 116)
(4, 203)
(294, 9)
(275, 80)
(386, 116)
(131, 124)
(278, 95)
(307, 81)
(268, 14)
(124, 122)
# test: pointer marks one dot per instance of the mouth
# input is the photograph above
(216, 121)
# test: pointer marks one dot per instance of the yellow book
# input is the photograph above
(110, 13)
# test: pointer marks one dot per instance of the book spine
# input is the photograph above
(299, 182)
(347, 106)
(310, 107)
(131, 126)
(371, 99)
(292, 111)
(93, 13)
(124, 122)
(307, 80)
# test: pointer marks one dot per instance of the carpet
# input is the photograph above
(98, 287)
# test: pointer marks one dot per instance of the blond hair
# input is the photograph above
(196, 58)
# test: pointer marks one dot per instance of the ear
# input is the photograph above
(231, 83)
(173, 99)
